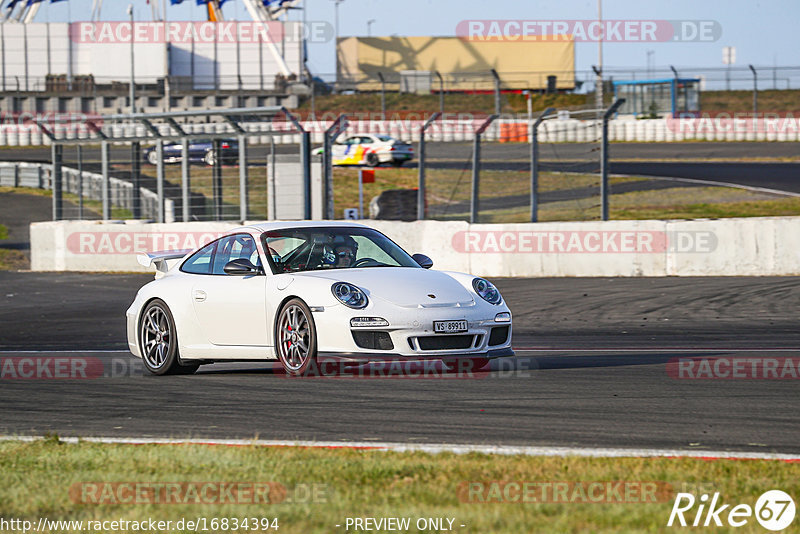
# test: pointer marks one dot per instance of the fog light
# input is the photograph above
(368, 321)
(504, 317)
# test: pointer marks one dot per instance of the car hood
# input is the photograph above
(406, 287)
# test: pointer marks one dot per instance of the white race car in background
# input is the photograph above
(329, 290)
(369, 149)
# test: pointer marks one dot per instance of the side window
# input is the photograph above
(366, 140)
(200, 261)
(239, 246)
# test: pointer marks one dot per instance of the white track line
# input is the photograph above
(520, 349)
(712, 183)
(646, 349)
(591, 452)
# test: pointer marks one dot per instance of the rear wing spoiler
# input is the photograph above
(160, 259)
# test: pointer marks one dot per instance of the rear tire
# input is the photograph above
(210, 158)
(152, 157)
(296, 338)
(158, 341)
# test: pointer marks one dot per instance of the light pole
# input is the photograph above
(674, 96)
(599, 70)
(441, 91)
(336, 24)
(370, 22)
(755, 90)
(133, 87)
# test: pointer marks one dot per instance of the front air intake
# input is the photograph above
(446, 342)
(498, 336)
(373, 339)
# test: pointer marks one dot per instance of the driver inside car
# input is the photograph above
(345, 248)
(341, 252)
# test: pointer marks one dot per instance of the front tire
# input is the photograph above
(210, 158)
(296, 338)
(152, 157)
(158, 341)
(372, 159)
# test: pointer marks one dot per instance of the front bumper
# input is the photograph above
(388, 157)
(506, 352)
(131, 320)
(410, 334)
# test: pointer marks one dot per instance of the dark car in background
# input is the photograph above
(200, 151)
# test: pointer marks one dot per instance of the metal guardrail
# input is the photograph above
(86, 185)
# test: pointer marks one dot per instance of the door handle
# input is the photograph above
(199, 295)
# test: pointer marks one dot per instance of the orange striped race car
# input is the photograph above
(369, 149)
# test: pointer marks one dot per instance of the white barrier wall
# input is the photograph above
(461, 130)
(767, 246)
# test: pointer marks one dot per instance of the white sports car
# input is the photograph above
(369, 149)
(329, 290)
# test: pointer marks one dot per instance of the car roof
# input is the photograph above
(285, 225)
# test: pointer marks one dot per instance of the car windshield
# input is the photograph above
(323, 248)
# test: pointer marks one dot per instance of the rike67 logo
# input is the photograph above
(774, 510)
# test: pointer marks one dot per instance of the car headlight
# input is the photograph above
(349, 295)
(486, 290)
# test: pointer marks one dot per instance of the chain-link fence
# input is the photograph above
(257, 164)
(265, 164)
(190, 166)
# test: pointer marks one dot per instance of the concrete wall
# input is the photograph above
(728, 247)
(456, 130)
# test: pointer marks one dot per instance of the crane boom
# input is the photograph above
(261, 14)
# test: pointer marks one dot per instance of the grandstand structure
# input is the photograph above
(88, 66)
(263, 10)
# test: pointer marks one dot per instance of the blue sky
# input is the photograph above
(763, 31)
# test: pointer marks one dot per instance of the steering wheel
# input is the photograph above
(362, 261)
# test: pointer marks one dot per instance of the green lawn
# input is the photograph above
(10, 259)
(449, 192)
(330, 485)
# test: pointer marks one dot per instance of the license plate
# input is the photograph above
(449, 327)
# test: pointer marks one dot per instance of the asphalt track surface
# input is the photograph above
(591, 371)
(699, 161)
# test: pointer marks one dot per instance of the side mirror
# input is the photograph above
(424, 261)
(241, 267)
